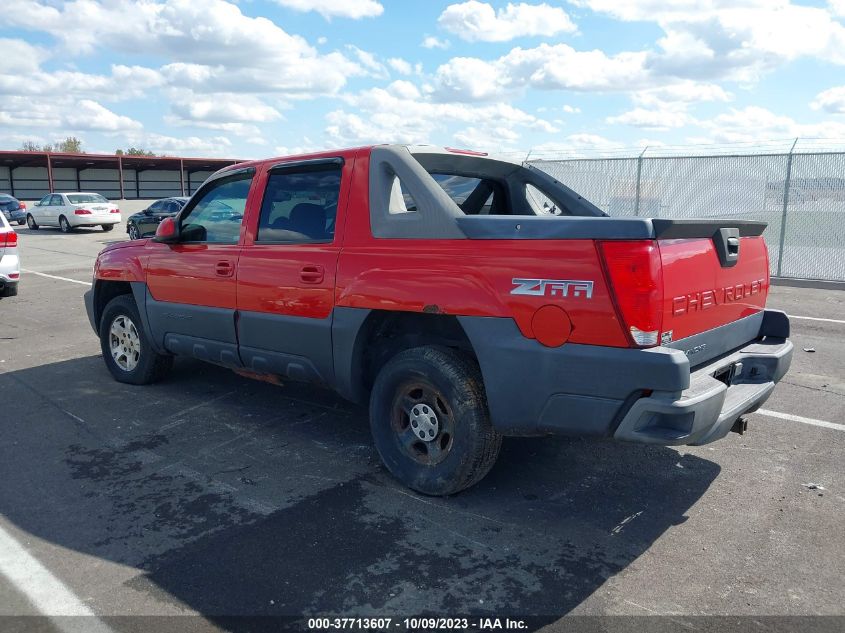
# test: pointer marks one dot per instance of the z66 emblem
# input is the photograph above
(553, 288)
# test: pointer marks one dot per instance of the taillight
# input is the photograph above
(23, 205)
(82, 212)
(115, 210)
(636, 278)
(9, 239)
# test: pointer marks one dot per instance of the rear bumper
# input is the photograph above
(707, 410)
(643, 395)
(93, 220)
(15, 216)
(10, 267)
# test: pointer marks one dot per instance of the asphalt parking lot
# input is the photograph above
(215, 495)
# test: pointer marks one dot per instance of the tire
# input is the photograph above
(134, 233)
(436, 393)
(30, 222)
(10, 290)
(107, 227)
(21, 222)
(64, 225)
(141, 365)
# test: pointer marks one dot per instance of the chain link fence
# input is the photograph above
(799, 193)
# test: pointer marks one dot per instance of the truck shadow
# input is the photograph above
(235, 497)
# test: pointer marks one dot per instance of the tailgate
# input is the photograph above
(714, 273)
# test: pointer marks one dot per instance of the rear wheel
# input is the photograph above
(30, 222)
(21, 222)
(107, 227)
(9, 290)
(126, 349)
(64, 225)
(429, 420)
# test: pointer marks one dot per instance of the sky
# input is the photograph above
(257, 78)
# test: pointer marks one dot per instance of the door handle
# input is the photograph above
(312, 274)
(224, 268)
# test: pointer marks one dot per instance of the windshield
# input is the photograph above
(80, 198)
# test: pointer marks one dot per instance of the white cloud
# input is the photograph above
(20, 57)
(837, 7)
(685, 92)
(571, 109)
(831, 100)
(225, 108)
(90, 115)
(666, 107)
(475, 21)
(181, 146)
(546, 67)
(400, 66)
(368, 60)
(213, 40)
(471, 79)
(652, 119)
(575, 145)
(754, 124)
(400, 114)
(354, 9)
(63, 115)
(402, 89)
(429, 41)
(732, 39)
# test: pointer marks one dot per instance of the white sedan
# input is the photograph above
(71, 210)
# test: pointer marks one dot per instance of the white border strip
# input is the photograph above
(802, 420)
(43, 590)
(73, 281)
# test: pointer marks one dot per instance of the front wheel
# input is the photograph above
(126, 349)
(107, 227)
(64, 225)
(429, 420)
(134, 234)
(30, 222)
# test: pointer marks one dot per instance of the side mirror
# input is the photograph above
(167, 231)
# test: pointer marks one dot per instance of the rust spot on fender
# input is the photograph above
(432, 309)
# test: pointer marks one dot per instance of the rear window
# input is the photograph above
(474, 196)
(82, 198)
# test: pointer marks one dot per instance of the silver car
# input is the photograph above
(10, 263)
(71, 210)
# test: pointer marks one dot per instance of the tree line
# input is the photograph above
(73, 145)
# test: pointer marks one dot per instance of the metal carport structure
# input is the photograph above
(30, 175)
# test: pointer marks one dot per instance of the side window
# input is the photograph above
(217, 215)
(156, 206)
(171, 207)
(45, 201)
(539, 202)
(56, 200)
(400, 200)
(300, 205)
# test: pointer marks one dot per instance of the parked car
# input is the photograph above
(73, 210)
(458, 317)
(13, 209)
(10, 263)
(144, 223)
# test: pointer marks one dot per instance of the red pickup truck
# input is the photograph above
(464, 298)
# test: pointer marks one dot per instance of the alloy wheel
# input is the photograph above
(124, 343)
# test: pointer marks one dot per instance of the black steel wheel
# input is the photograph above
(429, 420)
